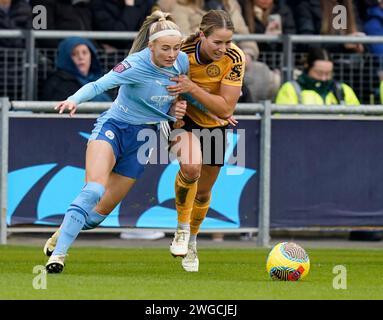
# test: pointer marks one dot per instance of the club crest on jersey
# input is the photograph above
(213, 71)
(121, 67)
(109, 134)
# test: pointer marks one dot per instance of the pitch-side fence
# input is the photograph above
(288, 42)
(265, 111)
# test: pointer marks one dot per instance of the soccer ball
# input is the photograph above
(287, 261)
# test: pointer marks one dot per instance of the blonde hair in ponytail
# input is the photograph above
(156, 22)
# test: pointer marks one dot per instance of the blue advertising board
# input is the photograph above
(326, 173)
(46, 172)
(323, 173)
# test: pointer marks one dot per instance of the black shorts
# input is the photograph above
(213, 141)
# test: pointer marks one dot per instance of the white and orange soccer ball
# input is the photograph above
(288, 261)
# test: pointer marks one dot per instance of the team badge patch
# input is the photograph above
(121, 67)
(213, 71)
(109, 134)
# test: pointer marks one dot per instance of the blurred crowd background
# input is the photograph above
(354, 70)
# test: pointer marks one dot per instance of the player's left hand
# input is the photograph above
(178, 109)
(232, 121)
(184, 84)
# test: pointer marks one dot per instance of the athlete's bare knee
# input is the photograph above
(203, 196)
(191, 171)
(104, 210)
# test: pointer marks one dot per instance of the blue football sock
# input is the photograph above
(93, 220)
(76, 215)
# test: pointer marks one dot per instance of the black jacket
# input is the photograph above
(18, 17)
(288, 24)
(62, 15)
(114, 15)
(309, 21)
(59, 86)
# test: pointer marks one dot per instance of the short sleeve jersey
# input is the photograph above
(229, 70)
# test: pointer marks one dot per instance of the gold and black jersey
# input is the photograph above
(229, 70)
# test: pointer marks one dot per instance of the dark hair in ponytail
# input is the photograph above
(212, 20)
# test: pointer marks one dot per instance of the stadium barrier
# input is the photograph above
(278, 129)
(29, 74)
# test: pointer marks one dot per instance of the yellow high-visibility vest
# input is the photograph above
(288, 95)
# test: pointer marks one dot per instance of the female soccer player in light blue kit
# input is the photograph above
(143, 101)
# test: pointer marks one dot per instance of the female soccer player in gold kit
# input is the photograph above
(214, 87)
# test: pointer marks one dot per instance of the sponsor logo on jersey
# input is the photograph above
(235, 73)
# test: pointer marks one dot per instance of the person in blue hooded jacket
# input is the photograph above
(77, 64)
(374, 25)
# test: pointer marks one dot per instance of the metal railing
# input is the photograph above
(265, 111)
(4, 138)
(28, 77)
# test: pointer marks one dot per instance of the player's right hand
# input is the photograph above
(70, 105)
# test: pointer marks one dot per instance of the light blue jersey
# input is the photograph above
(142, 102)
(142, 97)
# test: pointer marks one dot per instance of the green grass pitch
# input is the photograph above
(151, 274)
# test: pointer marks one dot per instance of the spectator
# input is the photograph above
(374, 25)
(270, 17)
(64, 15)
(188, 14)
(67, 14)
(362, 5)
(315, 17)
(119, 15)
(316, 86)
(77, 65)
(292, 4)
(14, 14)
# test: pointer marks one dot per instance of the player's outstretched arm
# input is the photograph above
(112, 79)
